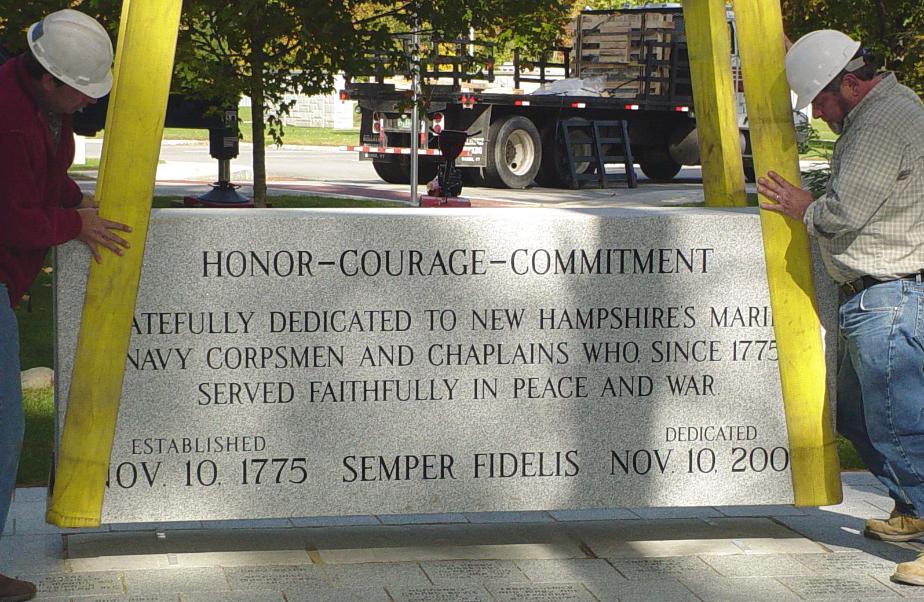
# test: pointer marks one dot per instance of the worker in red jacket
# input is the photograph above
(67, 67)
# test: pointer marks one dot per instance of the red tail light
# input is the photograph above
(376, 123)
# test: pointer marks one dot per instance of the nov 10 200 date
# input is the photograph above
(207, 473)
(702, 460)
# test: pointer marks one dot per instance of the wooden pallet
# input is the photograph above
(616, 46)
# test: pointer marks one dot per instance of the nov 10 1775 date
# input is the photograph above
(208, 473)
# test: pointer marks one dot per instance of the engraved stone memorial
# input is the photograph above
(320, 362)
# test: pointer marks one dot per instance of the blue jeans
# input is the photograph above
(12, 423)
(880, 388)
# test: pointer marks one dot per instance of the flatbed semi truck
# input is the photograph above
(636, 61)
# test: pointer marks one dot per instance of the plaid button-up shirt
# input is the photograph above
(870, 221)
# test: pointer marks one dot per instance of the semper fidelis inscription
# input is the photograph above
(310, 362)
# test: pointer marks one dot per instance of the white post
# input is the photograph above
(415, 118)
(80, 150)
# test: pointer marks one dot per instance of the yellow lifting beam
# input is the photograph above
(709, 47)
(131, 147)
(815, 468)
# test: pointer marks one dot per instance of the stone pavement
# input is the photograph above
(723, 553)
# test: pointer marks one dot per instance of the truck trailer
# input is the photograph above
(634, 61)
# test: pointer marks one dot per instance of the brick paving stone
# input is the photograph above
(336, 594)
(267, 578)
(104, 582)
(385, 574)
(736, 589)
(440, 593)
(541, 592)
(836, 587)
(255, 596)
(758, 565)
(644, 590)
(590, 570)
(33, 554)
(177, 580)
(472, 571)
(125, 598)
(654, 568)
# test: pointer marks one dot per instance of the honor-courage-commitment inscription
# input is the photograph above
(312, 362)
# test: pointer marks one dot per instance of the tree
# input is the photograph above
(264, 49)
(268, 48)
(893, 30)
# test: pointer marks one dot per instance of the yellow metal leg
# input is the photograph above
(709, 47)
(134, 127)
(815, 468)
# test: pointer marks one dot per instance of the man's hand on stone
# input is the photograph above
(789, 200)
(95, 230)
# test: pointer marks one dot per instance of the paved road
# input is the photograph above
(329, 171)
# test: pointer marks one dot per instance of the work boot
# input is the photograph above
(898, 527)
(14, 590)
(911, 573)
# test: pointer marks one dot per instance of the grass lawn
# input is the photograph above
(824, 146)
(35, 461)
(293, 135)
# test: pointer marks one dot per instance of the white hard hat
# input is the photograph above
(815, 60)
(76, 49)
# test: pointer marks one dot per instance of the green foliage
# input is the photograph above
(267, 49)
(35, 330)
(893, 30)
(816, 145)
(35, 459)
(607, 4)
(850, 459)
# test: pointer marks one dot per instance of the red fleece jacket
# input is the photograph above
(37, 198)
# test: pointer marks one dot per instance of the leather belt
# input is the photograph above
(855, 286)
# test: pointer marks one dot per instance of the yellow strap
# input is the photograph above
(134, 127)
(709, 47)
(815, 468)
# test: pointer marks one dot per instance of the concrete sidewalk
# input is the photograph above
(723, 553)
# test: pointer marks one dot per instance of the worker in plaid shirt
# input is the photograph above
(869, 225)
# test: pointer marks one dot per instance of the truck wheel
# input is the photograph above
(514, 152)
(656, 163)
(555, 172)
(749, 175)
(399, 172)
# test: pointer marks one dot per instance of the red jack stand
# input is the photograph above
(427, 200)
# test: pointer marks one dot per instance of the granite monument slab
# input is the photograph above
(290, 363)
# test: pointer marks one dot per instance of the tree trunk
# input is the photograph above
(258, 99)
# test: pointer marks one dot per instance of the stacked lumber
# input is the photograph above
(615, 46)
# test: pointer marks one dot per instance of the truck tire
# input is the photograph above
(749, 175)
(657, 164)
(514, 152)
(555, 172)
(399, 172)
